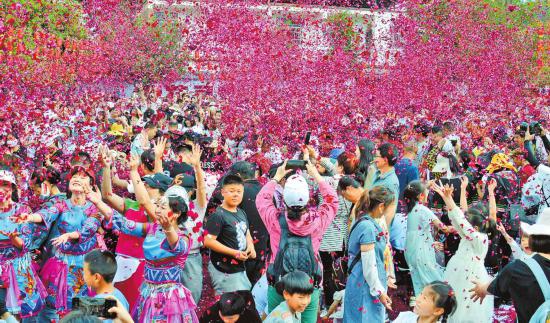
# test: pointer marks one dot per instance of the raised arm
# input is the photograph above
(158, 148)
(492, 200)
(195, 161)
(139, 188)
(264, 200)
(110, 197)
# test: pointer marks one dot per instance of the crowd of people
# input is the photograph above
(146, 200)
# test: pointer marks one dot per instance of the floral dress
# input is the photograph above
(63, 273)
(25, 294)
(162, 297)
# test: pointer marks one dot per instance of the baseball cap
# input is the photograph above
(7, 176)
(296, 191)
(158, 180)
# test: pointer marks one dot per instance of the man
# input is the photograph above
(143, 140)
(517, 280)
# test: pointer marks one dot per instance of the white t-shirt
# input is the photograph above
(190, 224)
(408, 317)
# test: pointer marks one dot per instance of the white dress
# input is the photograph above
(464, 267)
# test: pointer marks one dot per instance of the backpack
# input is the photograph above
(295, 253)
(542, 315)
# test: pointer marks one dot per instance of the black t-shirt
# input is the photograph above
(230, 229)
(259, 233)
(516, 281)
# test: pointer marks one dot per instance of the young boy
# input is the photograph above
(296, 288)
(229, 240)
(234, 307)
(99, 270)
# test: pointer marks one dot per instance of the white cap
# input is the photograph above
(541, 227)
(177, 191)
(7, 176)
(296, 191)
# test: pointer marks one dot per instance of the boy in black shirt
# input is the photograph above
(229, 240)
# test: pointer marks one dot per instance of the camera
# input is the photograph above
(95, 306)
(296, 164)
(535, 128)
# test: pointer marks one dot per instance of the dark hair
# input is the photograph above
(80, 157)
(371, 199)
(75, 170)
(366, 156)
(79, 317)
(454, 165)
(102, 262)
(348, 161)
(422, 128)
(231, 303)
(232, 179)
(390, 152)
(182, 147)
(449, 126)
(436, 129)
(43, 174)
(148, 159)
(478, 216)
(150, 125)
(246, 170)
(444, 297)
(147, 115)
(466, 158)
(177, 205)
(296, 282)
(347, 181)
(539, 243)
(412, 192)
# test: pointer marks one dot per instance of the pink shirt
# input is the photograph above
(315, 222)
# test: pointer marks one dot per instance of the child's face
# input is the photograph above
(233, 194)
(425, 304)
(525, 244)
(90, 279)
(297, 302)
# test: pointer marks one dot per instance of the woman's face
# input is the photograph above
(6, 191)
(78, 182)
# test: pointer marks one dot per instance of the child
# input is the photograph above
(234, 307)
(99, 270)
(336, 309)
(520, 252)
(229, 240)
(296, 288)
(436, 301)
(420, 245)
(476, 229)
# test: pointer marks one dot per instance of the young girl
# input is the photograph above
(366, 288)
(420, 244)
(20, 286)
(162, 297)
(475, 230)
(73, 223)
(436, 301)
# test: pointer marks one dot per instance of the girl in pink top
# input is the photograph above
(301, 221)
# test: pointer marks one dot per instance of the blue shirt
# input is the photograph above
(406, 172)
(389, 180)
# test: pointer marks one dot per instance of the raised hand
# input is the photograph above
(195, 159)
(464, 182)
(159, 146)
(281, 172)
(61, 239)
(93, 195)
(492, 186)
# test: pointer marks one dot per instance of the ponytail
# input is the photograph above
(371, 199)
(412, 193)
(478, 216)
(444, 298)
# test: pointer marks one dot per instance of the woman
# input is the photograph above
(475, 229)
(420, 244)
(162, 297)
(366, 288)
(365, 151)
(74, 223)
(20, 288)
